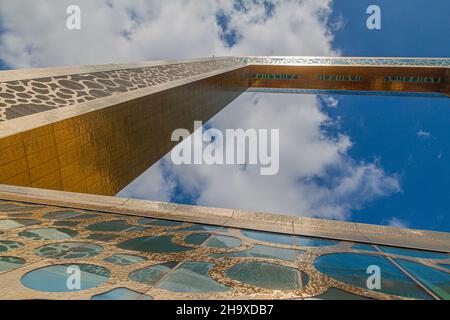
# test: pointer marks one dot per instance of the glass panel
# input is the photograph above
(435, 280)
(219, 241)
(125, 259)
(364, 247)
(102, 237)
(286, 239)
(415, 253)
(197, 239)
(166, 223)
(17, 223)
(55, 278)
(259, 251)
(351, 268)
(192, 277)
(268, 275)
(158, 244)
(151, 275)
(10, 263)
(49, 234)
(197, 227)
(110, 226)
(6, 246)
(61, 215)
(122, 294)
(69, 250)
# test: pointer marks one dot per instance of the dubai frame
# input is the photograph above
(72, 138)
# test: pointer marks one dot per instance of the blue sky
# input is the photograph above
(394, 151)
(389, 128)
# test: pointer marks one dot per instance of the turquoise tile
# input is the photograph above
(20, 215)
(435, 280)
(220, 241)
(287, 239)
(198, 227)
(259, 251)
(121, 294)
(6, 246)
(13, 208)
(103, 237)
(145, 221)
(110, 226)
(10, 263)
(197, 239)
(49, 234)
(351, 268)
(364, 247)
(443, 265)
(17, 223)
(151, 275)
(66, 223)
(138, 229)
(270, 237)
(125, 259)
(192, 277)
(69, 250)
(415, 253)
(268, 275)
(166, 223)
(56, 278)
(314, 242)
(154, 244)
(62, 215)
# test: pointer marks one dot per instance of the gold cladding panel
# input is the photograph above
(103, 151)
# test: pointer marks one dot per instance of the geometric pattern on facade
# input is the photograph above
(130, 257)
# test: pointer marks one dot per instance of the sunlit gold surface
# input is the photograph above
(94, 129)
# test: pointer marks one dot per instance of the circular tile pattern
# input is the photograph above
(49, 234)
(66, 278)
(353, 269)
(10, 263)
(17, 223)
(268, 275)
(6, 246)
(69, 250)
(155, 244)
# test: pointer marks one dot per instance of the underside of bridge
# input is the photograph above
(94, 129)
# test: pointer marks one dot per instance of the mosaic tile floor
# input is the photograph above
(123, 257)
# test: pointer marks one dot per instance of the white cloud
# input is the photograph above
(330, 101)
(317, 177)
(423, 134)
(35, 32)
(396, 222)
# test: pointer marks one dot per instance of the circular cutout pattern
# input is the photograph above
(49, 234)
(69, 250)
(6, 246)
(352, 268)
(10, 263)
(66, 278)
(268, 275)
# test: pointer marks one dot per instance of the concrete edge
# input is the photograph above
(37, 73)
(34, 121)
(283, 224)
